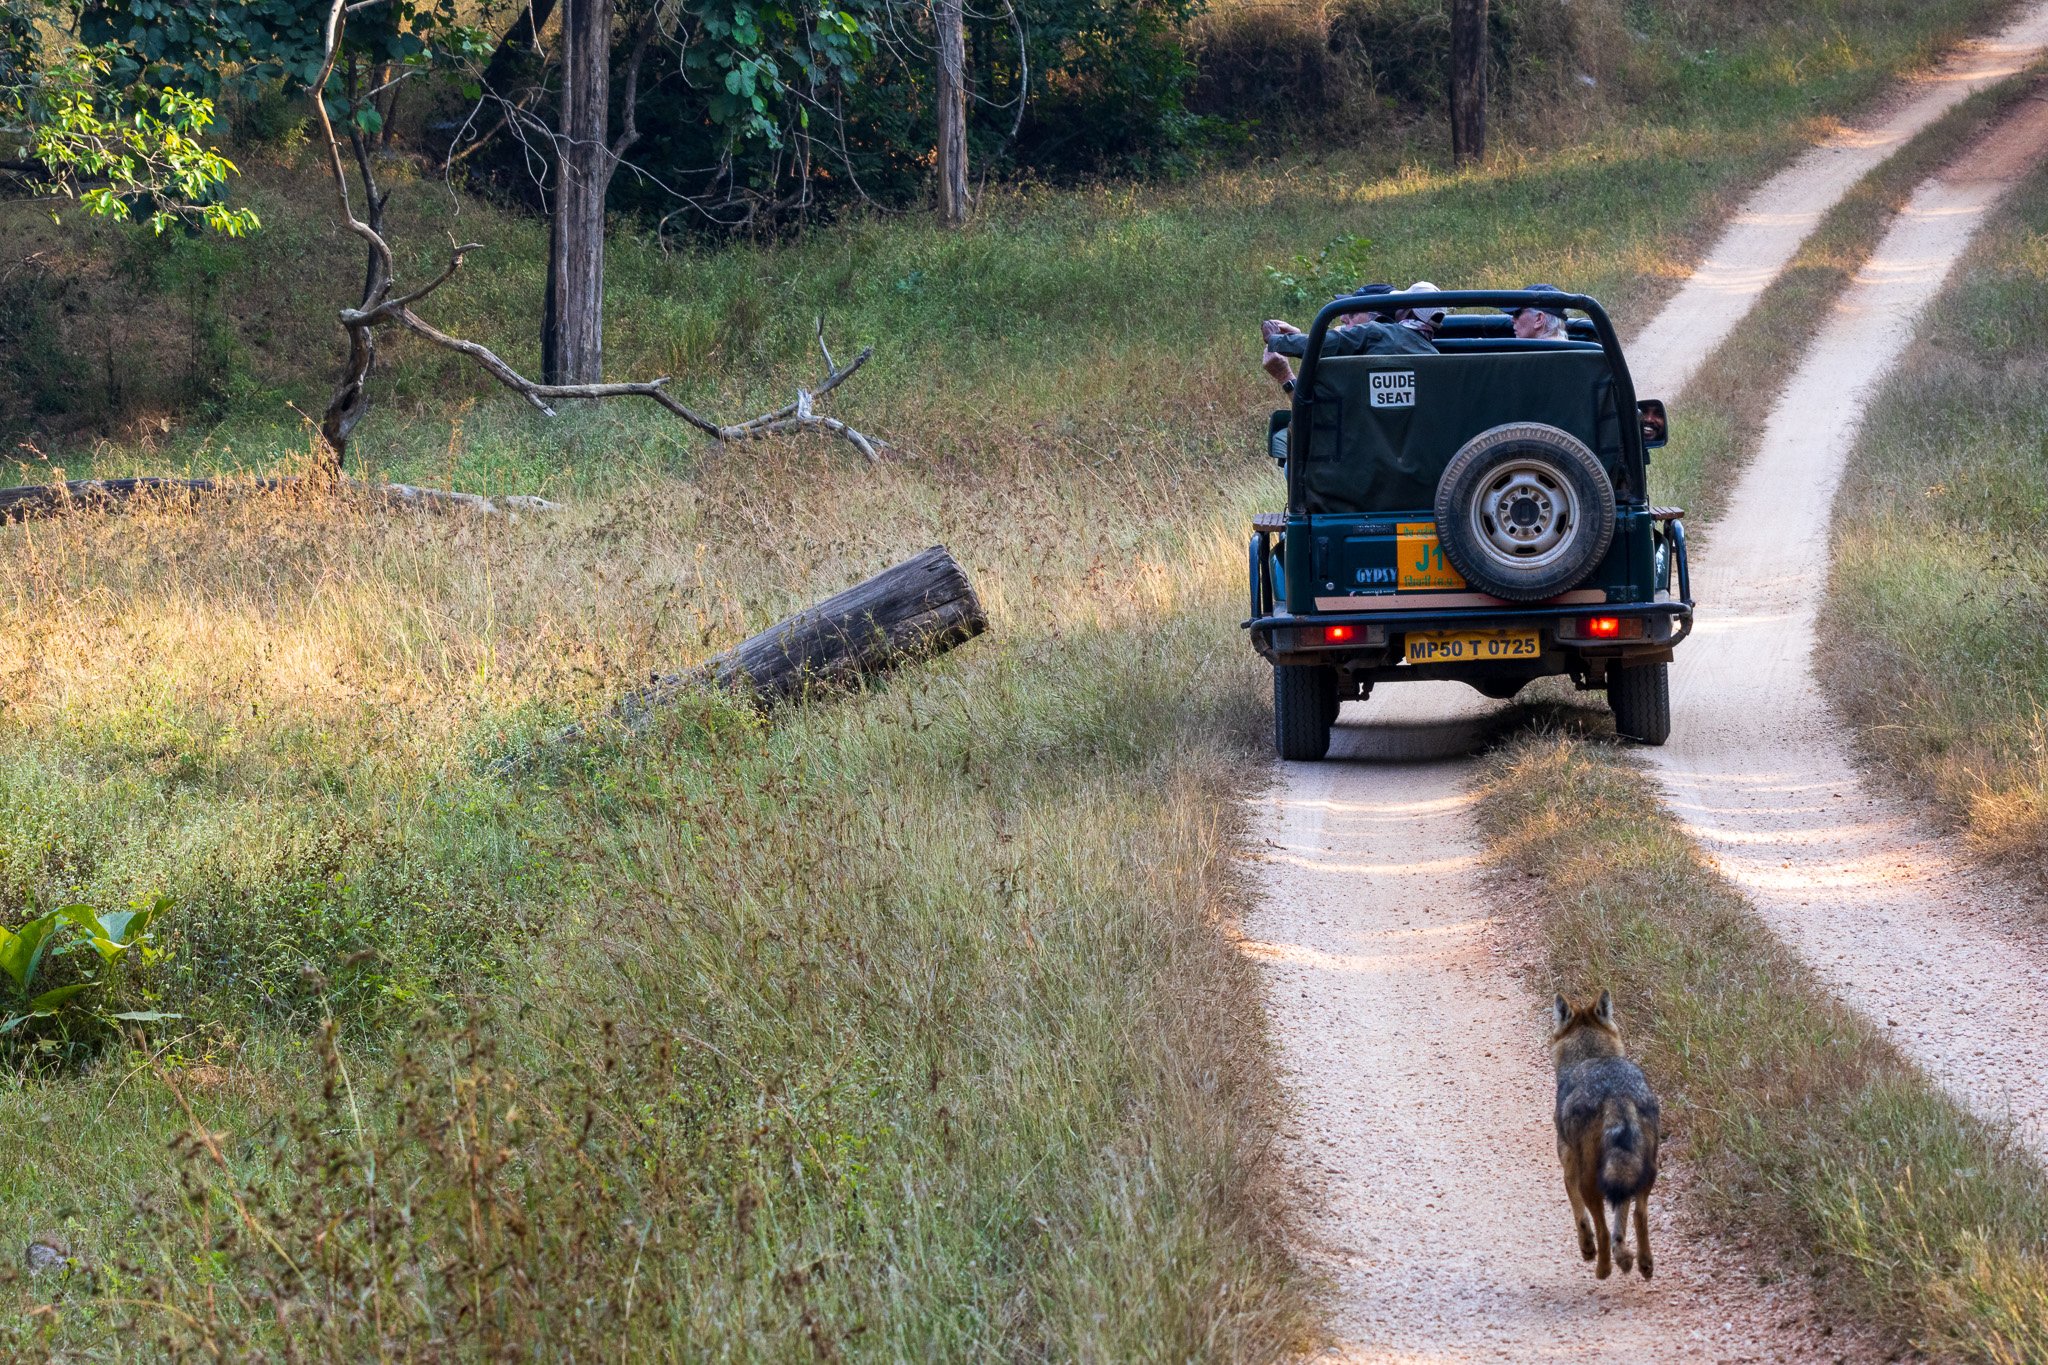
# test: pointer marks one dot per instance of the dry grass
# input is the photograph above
(957, 946)
(1799, 1121)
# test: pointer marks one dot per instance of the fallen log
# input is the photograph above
(100, 495)
(913, 610)
(37, 500)
(920, 607)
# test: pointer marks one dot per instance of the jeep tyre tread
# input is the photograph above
(1524, 511)
(1640, 698)
(1304, 707)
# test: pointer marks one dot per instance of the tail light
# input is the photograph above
(1603, 628)
(1337, 635)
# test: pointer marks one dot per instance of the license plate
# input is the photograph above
(1472, 646)
(1420, 560)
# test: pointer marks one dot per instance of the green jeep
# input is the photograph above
(1478, 515)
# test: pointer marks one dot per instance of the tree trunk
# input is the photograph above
(572, 333)
(920, 607)
(952, 149)
(1468, 79)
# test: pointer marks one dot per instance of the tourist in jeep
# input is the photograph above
(1539, 322)
(1375, 332)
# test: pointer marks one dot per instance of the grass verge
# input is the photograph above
(1800, 1121)
(1939, 588)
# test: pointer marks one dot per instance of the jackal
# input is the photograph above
(1606, 1132)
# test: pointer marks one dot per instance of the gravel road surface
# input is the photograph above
(1419, 1136)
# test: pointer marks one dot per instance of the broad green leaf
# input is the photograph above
(143, 1016)
(22, 951)
(49, 1000)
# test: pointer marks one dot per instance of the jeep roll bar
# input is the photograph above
(1304, 387)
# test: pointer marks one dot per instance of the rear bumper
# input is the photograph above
(1376, 640)
(1374, 650)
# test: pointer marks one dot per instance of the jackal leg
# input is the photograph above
(1582, 1218)
(1591, 1195)
(1643, 1234)
(1623, 1257)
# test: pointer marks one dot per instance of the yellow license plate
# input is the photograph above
(1472, 646)
(1421, 561)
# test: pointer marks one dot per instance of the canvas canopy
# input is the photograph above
(1382, 428)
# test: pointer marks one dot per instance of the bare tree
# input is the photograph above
(385, 305)
(1468, 79)
(572, 329)
(952, 91)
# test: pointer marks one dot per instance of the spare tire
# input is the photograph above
(1524, 511)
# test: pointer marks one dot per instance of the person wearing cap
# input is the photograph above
(1375, 332)
(1427, 318)
(1540, 321)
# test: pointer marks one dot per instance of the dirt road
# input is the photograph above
(1413, 1054)
(1764, 233)
(1420, 1141)
(1759, 771)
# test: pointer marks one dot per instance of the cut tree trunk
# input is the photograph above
(1468, 79)
(920, 607)
(572, 333)
(952, 149)
(917, 608)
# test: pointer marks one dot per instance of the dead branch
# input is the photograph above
(381, 308)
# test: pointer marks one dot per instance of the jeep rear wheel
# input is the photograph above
(1304, 707)
(1524, 511)
(1640, 698)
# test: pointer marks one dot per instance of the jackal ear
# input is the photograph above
(1563, 1010)
(1606, 1009)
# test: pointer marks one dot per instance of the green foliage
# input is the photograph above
(1337, 269)
(120, 940)
(107, 147)
(203, 46)
(803, 108)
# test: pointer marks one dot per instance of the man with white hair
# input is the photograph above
(1405, 332)
(1541, 321)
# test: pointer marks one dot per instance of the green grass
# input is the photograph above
(1939, 588)
(905, 1025)
(1799, 1123)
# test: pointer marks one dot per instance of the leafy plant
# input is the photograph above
(108, 147)
(1336, 269)
(72, 931)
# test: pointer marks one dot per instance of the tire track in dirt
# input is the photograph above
(1888, 913)
(1419, 1138)
(1419, 1144)
(1763, 235)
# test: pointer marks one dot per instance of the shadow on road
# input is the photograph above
(1440, 721)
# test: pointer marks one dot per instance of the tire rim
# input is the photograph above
(1524, 514)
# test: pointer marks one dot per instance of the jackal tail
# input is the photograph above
(1624, 1159)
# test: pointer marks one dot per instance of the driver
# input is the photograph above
(1374, 332)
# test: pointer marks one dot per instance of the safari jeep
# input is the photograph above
(1477, 515)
